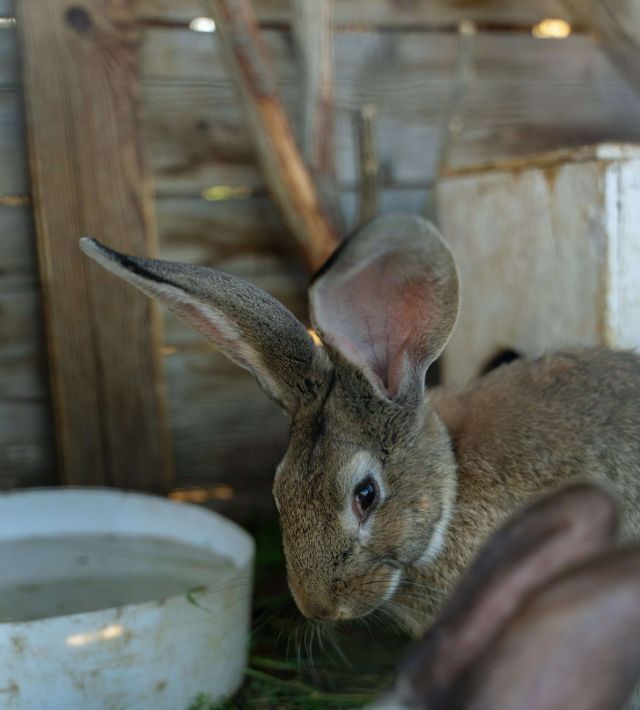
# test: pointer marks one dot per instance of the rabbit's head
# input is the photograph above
(547, 616)
(368, 481)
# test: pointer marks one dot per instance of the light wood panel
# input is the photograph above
(558, 268)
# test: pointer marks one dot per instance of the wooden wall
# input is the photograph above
(525, 95)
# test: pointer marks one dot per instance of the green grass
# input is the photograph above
(289, 666)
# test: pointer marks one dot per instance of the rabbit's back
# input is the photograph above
(531, 425)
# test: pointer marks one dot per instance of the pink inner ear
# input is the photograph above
(377, 318)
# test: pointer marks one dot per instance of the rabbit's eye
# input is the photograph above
(365, 496)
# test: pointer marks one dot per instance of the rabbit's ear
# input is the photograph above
(535, 545)
(388, 300)
(247, 324)
(576, 644)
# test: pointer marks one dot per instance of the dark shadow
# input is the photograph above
(502, 357)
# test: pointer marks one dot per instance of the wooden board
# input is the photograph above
(9, 57)
(88, 177)
(388, 13)
(14, 178)
(26, 436)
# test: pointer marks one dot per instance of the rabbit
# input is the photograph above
(546, 617)
(387, 489)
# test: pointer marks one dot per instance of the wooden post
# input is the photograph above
(88, 178)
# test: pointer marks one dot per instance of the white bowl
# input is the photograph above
(119, 600)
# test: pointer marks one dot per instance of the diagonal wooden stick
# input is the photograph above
(285, 173)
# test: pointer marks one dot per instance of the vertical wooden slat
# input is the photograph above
(88, 178)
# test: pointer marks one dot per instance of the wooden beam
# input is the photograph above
(284, 171)
(88, 177)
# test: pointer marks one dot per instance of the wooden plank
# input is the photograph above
(25, 446)
(528, 95)
(22, 357)
(388, 13)
(14, 178)
(27, 454)
(88, 177)
(9, 71)
(17, 241)
(22, 360)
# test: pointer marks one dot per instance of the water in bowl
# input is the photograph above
(54, 577)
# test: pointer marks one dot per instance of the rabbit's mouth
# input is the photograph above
(347, 611)
(352, 599)
(369, 593)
